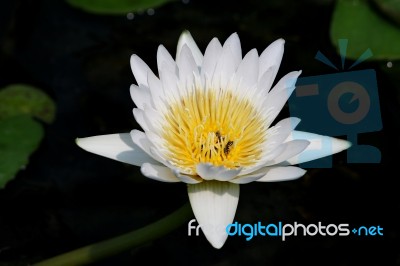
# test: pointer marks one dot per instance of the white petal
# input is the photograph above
(282, 173)
(245, 179)
(188, 179)
(186, 38)
(169, 82)
(187, 66)
(277, 134)
(164, 59)
(266, 80)
(233, 44)
(268, 156)
(139, 70)
(273, 147)
(138, 114)
(272, 57)
(247, 72)
(155, 140)
(228, 62)
(292, 148)
(153, 118)
(155, 152)
(214, 205)
(210, 172)
(140, 96)
(320, 146)
(211, 56)
(118, 147)
(287, 82)
(149, 119)
(157, 92)
(143, 142)
(159, 173)
(280, 93)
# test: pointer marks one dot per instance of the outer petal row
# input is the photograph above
(214, 205)
(320, 146)
(271, 174)
(118, 147)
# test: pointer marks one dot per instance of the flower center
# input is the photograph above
(213, 126)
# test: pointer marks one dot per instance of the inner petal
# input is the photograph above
(213, 126)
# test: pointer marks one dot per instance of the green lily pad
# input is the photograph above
(19, 137)
(115, 7)
(356, 21)
(391, 8)
(20, 99)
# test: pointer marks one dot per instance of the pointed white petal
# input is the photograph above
(286, 82)
(247, 72)
(157, 92)
(140, 96)
(228, 62)
(164, 59)
(274, 146)
(214, 205)
(187, 66)
(277, 134)
(233, 44)
(169, 82)
(188, 179)
(320, 146)
(139, 70)
(292, 148)
(282, 173)
(245, 179)
(280, 93)
(272, 57)
(211, 56)
(138, 114)
(266, 80)
(118, 147)
(158, 172)
(209, 172)
(153, 118)
(149, 119)
(186, 38)
(267, 157)
(142, 141)
(156, 154)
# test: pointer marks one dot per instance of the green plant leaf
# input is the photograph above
(391, 8)
(20, 99)
(356, 21)
(115, 7)
(19, 137)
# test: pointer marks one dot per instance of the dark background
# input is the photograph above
(67, 198)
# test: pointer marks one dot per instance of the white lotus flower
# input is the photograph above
(207, 122)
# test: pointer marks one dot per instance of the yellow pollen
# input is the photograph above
(213, 126)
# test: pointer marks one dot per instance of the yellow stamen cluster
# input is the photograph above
(213, 126)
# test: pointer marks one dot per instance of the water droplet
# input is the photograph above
(150, 12)
(130, 16)
(389, 64)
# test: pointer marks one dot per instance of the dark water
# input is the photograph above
(67, 198)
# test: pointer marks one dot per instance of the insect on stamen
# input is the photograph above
(228, 147)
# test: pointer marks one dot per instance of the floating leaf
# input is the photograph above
(20, 99)
(356, 21)
(19, 137)
(116, 7)
(391, 8)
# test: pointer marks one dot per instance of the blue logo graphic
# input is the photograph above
(339, 104)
